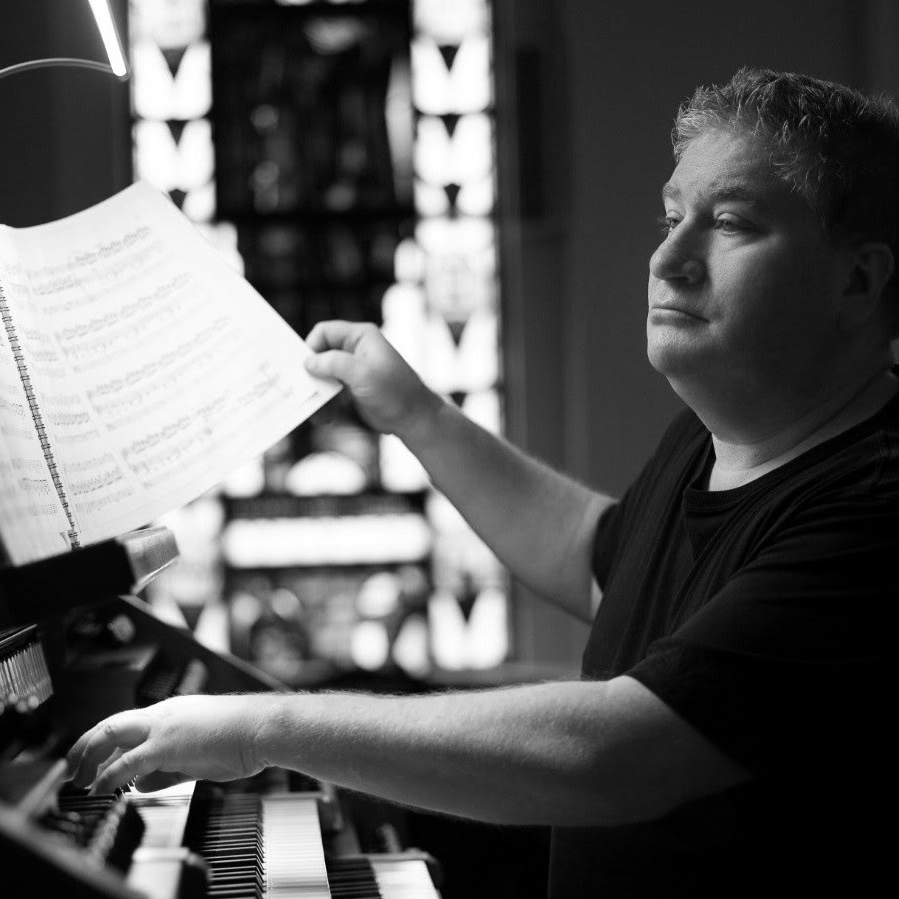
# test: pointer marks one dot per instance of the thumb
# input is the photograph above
(336, 364)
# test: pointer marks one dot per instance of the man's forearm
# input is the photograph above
(567, 753)
(506, 756)
(538, 522)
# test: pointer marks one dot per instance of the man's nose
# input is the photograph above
(678, 258)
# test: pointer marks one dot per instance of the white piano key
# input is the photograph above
(403, 878)
(164, 813)
(294, 857)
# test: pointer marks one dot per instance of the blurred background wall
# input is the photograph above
(585, 97)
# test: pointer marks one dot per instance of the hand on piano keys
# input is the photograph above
(180, 739)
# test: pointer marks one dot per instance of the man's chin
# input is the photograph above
(676, 359)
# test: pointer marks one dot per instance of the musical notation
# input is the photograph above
(12, 409)
(25, 432)
(151, 389)
(158, 369)
(110, 498)
(104, 479)
(39, 486)
(192, 438)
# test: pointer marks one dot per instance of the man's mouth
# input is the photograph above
(673, 310)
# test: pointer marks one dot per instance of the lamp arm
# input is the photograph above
(60, 61)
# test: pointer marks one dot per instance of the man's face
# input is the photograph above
(743, 288)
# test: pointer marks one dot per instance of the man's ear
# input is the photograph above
(871, 266)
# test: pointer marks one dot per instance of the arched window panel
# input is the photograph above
(181, 158)
(409, 261)
(477, 355)
(431, 200)
(170, 24)
(457, 287)
(405, 322)
(474, 199)
(454, 150)
(451, 79)
(477, 198)
(199, 205)
(401, 472)
(470, 236)
(410, 649)
(166, 85)
(476, 640)
(485, 408)
(460, 265)
(462, 562)
(460, 358)
(451, 21)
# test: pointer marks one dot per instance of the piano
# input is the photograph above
(76, 646)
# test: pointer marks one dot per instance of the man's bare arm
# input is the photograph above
(569, 753)
(538, 522)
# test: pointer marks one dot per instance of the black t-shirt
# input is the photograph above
(763, 616)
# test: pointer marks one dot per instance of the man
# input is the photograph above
(728, 735)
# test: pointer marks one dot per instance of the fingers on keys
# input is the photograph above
(123, 733)
(126, 768)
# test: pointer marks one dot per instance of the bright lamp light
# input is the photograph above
(109, 34)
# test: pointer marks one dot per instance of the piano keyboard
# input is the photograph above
(258, 846)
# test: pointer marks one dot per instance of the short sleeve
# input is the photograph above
(788, 666)
(675, 457)
(605, 543)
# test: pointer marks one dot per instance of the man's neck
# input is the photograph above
(743, 456)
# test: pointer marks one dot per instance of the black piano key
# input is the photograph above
(108, 827)
(225, 830)
(352, 879)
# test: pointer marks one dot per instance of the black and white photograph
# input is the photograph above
(449, 449)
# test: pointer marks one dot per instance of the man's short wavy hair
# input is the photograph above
(835, 146)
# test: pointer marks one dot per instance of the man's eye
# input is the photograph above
(667, 223)
(731, 225)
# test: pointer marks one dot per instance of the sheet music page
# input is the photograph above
(32, 522)
(170, 370)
